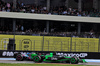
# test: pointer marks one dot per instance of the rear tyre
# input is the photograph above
(19, 57)
(37, 59)
(74, 60)
(15, 54)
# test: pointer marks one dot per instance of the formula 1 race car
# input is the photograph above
(48, 58)
(21, 57)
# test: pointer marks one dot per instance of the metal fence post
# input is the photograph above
(75, 46)
(99, 45)
(48, 45)
(4, 44)
(61, 45)
(0, 45)
(34, 45)
(20, 47)
(21, 44)
(43, 43)
(68, 45)
(31, 46)
(88, 47)
(71, 44)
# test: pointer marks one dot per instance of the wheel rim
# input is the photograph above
(72, 60)
(18, 57)
(36, 59)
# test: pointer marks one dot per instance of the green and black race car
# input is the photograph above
(38, 58)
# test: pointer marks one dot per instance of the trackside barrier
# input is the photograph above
(83, 55)
(47, 43)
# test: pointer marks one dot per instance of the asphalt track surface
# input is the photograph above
(12, 60)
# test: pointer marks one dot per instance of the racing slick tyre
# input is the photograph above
(15, 54)
(74, 60)
(19, 57)
(37, 59)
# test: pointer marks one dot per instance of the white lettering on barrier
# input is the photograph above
(82, 55)
(4, 53)
(7, 53)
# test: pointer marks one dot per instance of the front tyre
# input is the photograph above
(37, 59)
(74, 60)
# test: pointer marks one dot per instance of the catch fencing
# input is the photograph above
(47, 43)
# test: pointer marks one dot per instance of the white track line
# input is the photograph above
(92, 60)
(7, 59)
(88, 60)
